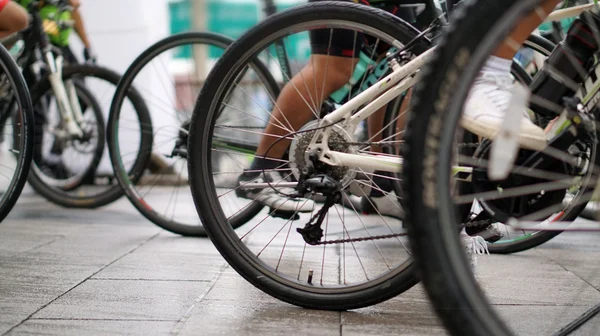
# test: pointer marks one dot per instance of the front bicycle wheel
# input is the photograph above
(89, 181)
(359, 261)
(543, 191)
(160, 190)
(16, 138)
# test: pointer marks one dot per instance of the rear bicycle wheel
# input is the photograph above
(353, 269)
(160, 191)
(15, 157)
(48, 172)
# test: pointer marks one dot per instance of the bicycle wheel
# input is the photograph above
(161, 192)
(352, 268)
(547, 195)
(16, 157)
(51, 149)
(86, 181)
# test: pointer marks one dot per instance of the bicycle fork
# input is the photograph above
(66, 96)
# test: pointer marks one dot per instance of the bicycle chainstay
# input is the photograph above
(319, 215)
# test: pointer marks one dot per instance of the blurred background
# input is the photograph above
(121, 30)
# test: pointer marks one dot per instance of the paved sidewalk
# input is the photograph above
(110, 272)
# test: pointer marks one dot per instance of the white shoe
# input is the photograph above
(274, 197)
(474, 246)
(486, 106)
(386, 205)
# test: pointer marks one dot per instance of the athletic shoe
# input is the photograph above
(486, 107)
(473, 246)
(386, 205)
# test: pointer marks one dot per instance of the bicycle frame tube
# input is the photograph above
(402, 78)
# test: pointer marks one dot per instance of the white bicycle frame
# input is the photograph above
(66, 97)
(385, 90)
(401, 79)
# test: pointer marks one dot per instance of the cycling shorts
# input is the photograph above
(3, 4)
(347, 43)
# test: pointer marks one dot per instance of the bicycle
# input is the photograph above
(326, 160)
(550, 192)
(70, 119)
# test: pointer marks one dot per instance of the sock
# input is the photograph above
(497, 65)
(260, 163)
(382, 182)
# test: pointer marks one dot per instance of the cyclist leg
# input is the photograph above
(490, 95)
(330, 66)
(13, 18)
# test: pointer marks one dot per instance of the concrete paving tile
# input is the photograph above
(163, 266)
(232, 288)
(92, 327)
(19, 238)
(539, 320)
(170, 242)
(590, 328)
(530, 278)
(126, 299)
(583, 264)
(219, 318)
(415, 319)
(10, 320)
(401, 303)
(96, 244)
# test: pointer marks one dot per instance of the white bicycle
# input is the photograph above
(336, 258)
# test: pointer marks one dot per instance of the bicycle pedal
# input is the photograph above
(287, 215)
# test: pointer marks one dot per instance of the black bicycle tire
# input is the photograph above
(200, 132)
(37, 182)
(442, 265)
(25, 156)
(113, 192)
(139, 63)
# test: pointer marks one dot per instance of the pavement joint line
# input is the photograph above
(143, 279)
(42, 245)
(568, 270)
(97, 319)
(177, 329)
(79, 283)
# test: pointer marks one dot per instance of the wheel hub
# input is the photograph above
(339, 141)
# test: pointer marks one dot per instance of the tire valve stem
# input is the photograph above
(310, 276)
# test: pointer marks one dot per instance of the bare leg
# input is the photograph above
(511, 45)
(13, 18)
(329, 73)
